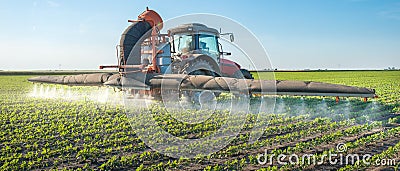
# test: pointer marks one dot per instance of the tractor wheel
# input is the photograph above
(243, 73)
(198, 67)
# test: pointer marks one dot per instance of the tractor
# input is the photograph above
(188, 59)
(192, 49)
(196, 51)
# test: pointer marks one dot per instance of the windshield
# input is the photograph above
(183, 43)
(208, 43)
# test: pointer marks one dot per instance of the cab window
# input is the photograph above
(183, 43)
(208, 43)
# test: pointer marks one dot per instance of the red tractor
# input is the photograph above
(189, 58)
(192, 49)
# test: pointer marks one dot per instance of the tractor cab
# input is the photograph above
(194, 38)
(190, 41)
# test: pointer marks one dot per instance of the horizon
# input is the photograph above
(259, 70)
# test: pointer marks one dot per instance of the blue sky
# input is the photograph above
(336, 34)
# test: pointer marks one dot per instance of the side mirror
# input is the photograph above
(231, 37)
(226, 53)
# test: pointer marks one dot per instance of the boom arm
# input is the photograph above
(201, 82)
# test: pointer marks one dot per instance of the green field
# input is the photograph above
(386, 83)
(81, 134)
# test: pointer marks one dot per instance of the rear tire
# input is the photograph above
(197, 67)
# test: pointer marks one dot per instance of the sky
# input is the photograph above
(303, 34)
